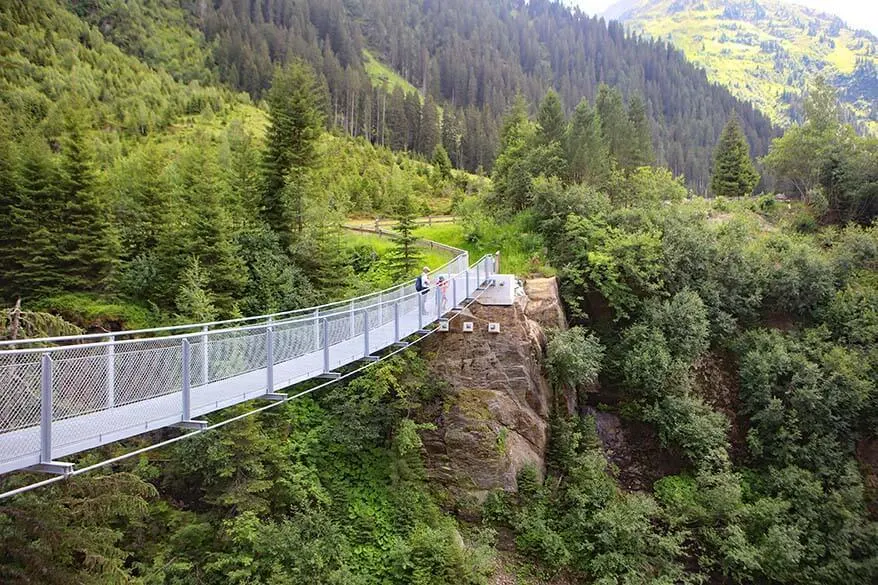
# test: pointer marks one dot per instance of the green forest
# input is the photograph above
(169, 162)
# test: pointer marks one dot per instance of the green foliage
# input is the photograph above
(73, 533)
(733, 173)
(193, 301)
(581, 521)
(620, 263)
(295, 123)
(405, 259)
(574, 358)
(649, 186)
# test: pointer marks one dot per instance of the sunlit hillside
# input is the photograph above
(766, 51)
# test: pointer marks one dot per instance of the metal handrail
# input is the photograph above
(268, 317)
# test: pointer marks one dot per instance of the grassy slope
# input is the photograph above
(729, 49)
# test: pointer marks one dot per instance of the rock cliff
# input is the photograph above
(492, 419)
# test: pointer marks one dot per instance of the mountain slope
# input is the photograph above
(472, 57)
(766, 51)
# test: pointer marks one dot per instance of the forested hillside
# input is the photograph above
(709, 417)
(765, 51)
(469, 57)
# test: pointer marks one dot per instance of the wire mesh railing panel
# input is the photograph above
(339, 328)
(295, 339)
(234, 353)
(20, 394)
(80, 384)
(147, 369)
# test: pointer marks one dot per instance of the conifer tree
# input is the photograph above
(587, 152)
(640, 151)
(550, 120)
(295, 122)
(428, 136)
(733, 172)
(615, 126)
(9, 236)
(397, 122)
(405, 258)
(88, 246)
(34, 221)
(441, 162)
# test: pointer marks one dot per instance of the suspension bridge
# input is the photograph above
(63, 395)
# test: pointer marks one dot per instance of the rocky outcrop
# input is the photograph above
(493, 417)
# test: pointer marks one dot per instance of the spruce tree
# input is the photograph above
(550, 120)
(295, 123)
(404, 259)
(11, 233)
(441, 162)
(639, 153)
(397, 121)
(587, 152)
(88, 246)
(35, 221)
(428, 136)
(733, 172)
(615, 125)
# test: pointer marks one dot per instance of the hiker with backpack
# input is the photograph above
(422, 285)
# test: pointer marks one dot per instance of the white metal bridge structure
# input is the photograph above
(63, 395)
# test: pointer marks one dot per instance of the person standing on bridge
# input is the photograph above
(422, 285)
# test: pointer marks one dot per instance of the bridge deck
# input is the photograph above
(146, 376)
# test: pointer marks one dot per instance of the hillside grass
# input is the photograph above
(731, 50)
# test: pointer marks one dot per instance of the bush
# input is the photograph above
(574, 358)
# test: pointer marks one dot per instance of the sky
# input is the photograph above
(857, 13)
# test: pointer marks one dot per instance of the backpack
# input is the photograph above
(419, 284)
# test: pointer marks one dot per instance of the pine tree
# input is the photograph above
(587, 152)
(550, 120)
(88, 246)
(733, 172)
(428, 136)
(441, 162)
(615, 126)
(34, 221)
(295, 122)
(397, 122)
(404, 259)
(640, 151)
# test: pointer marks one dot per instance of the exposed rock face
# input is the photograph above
(493, 419)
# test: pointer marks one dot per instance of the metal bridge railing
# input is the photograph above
(91, 390)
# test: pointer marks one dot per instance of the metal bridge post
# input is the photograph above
(111, 372)
(46, 409)
(205, 360)
(187, 389)
(396, 321)
(438, 302)
(467, 282)
(353, 321)
(316, 329)
(325, 345)
(478, 275)
(366, 351)
(269, 351)
(454, 291)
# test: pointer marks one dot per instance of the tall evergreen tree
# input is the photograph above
(550, 120)
(587, 152)
(615, 126)
(397, 120)
(429, 136)
(441, 162)
(35, 222)
(733, 172)
(405, 258)
(295, 122)
(88, 246)
(640, 151)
